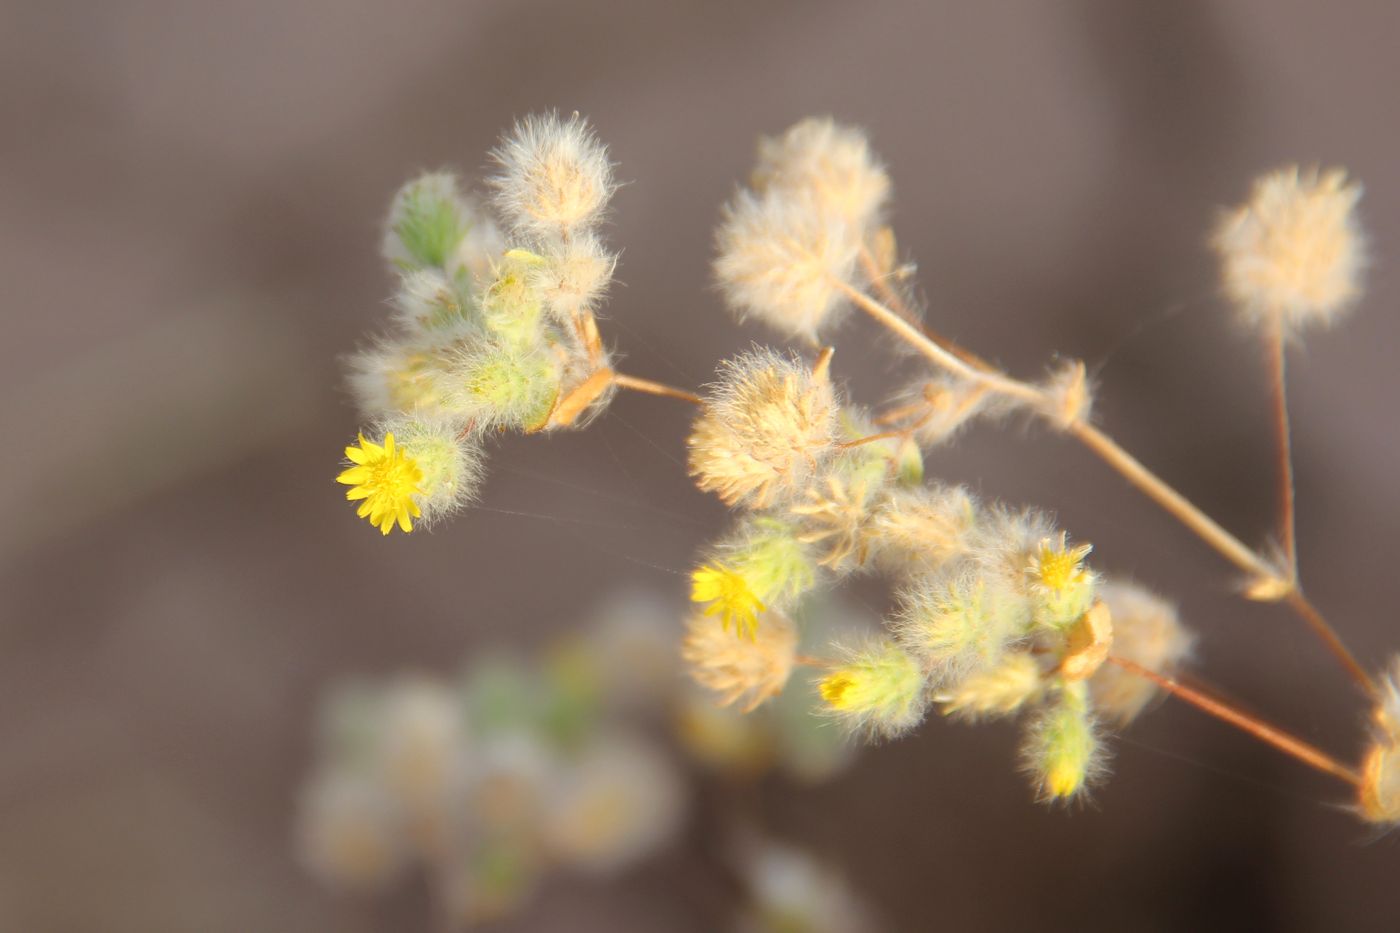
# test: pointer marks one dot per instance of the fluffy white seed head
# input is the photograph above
(1295, 252)
(780, 257)
(573, 275)
(831, 163)
(740, 669)
(554, 176)
(1146, 630)
(766, 426)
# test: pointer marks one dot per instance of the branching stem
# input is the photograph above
(952, 358)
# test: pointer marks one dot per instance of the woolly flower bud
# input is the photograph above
(349, 831)
(878, 690)
(426, 302)
(997, 691)
(832, 163)
(501, 385)
(574, 276)
(834, 512)
(1147, 631)
(620, 802)
(398, 377)
(1295, 252)
(1062, 750)
(427, 221)
(961, 624)
(741, 670)
(554, 178)
(1378, 798)
(765, 427)
(1068, 395)
(450, 463)
(780, 258)
(922, 528)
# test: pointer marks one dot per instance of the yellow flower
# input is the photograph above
(387, 479)
(1058, 568)
(729, 597)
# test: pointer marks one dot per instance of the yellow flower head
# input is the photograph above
(387, 479)
(1057, 568)
(728, 595)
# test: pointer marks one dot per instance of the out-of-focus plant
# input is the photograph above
(997, 612)
(516, 768)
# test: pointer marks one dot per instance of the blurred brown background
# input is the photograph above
(190, 200)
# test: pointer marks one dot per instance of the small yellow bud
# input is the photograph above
(1062, 750)
(879, 690)
(1063, 587)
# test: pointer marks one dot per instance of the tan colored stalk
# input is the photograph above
(1272, 735)
(1275, 351)
(653, 388)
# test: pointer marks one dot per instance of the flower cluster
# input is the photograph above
(493, 321)
(997, 612)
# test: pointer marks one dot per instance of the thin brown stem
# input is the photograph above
(1272, 735)
(653, 388)
(1275, 351)
(891, 297)
(1329, 637)
(936, 352)
(1181, 508)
